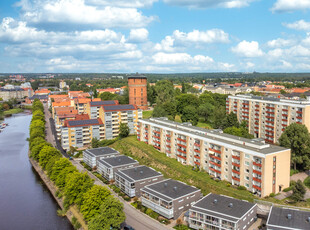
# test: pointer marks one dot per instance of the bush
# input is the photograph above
(272, 194)
(127, 198)
(148, 211)
(154, 215)
(294, 171)
(287, 189)
(241, 188)
(61, 212)
(76, 224)
(307, 181)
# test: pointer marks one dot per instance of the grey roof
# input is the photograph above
(221, 207)
(100, 103)
(271, 99)
(83, 122)
(40, 97)
(138, 173)
(119, 107)
(169, 190)
(137, 76)
(279, 218)
(117, 161)
(257, 145)
(102, 151)
(11, 90)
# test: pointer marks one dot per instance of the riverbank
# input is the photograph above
(53, 189)
(12, 111)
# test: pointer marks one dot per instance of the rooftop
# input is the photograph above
(40, 97)
(169, 190)
(288, 218)
(117, 161)
(77, 123)
(103, 151)
(101, 103)
(108, 108)
(217, 135)
(223, 206)
(137, 76)
(138, 173)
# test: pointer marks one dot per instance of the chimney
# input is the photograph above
(165, 184)
(175, 188)
(215, 201)
(141, 172)
(289, 216)
(230, 205)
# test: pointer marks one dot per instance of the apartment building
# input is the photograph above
(261, 167)
(222, 212)
(132, 180)
(288, 219)
(92, 108)
(113, 115)
(108, 166)
(79, 133)
(91, 156)
(81, 104)
(267, 117)
(169, 198)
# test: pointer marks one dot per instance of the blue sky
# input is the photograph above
(159, 36)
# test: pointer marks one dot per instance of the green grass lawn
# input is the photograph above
(204, 125)
(13, 111)
(147, 114)
(170, 168)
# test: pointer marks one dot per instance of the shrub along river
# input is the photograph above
(25, 202)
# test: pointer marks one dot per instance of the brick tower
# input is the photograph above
(137, 86)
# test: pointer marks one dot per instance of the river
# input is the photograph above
(25, 202)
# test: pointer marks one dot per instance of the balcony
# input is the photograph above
(235, 164)
(256, 187)
(179, 139)
(270, 122)
(183, 146)
(257, 179)
(214, 157)
(269, 107)
(236, 179)
(157, 142)
(300, 112)
(181, 151)
(197, 163)
(169, 141)
(214, 170)
(197, 150)
(197, 157)
(157, 132)
(236, 157)
(299, 118)
(157, 137)
(156, 147)
(216, 164)
(183, 157)
(258, 164)
(235, 171)
(168, 146)
(214, 150)
(197, 144)
(167, 135)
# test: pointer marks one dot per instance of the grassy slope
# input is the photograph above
(13, 111)
(170, 168)
(147, 114)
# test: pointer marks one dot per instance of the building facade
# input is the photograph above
(222, 213)
(267, 117)
(169, 198)
(108, 166)
(79, 133)
(91, 156)
(261, 167)
(137, 86)
(132, 180)
(113, 115)
(92, 108)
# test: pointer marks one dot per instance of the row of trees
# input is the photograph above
(99, 208)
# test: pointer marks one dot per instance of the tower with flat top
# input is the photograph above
(137, 87)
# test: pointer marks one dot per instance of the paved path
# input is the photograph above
(299, 176)
(134, 218)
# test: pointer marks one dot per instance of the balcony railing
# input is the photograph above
(183, 157)
(256, 187)
(179, 139)
(236, 179)
(235, 171)
(258, 164)
(214, 150)
(214, 170)
(215, 157)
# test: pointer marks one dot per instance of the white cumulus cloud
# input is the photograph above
(248, 49)
(290, 5)
(210, 3)
(298, 25)
(280, 42)
(138, 35)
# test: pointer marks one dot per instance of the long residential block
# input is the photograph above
(169, 198)
(261, 167)
(221, 212)
(108, 166)
(130, 181)
(91, 156)
(267, 117)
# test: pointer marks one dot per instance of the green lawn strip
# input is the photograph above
(13, 111)
(147, 114)
(170, 168)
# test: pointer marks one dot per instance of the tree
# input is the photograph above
(62, 176)
(183, 88)
(46, 153)
(58, 166)
(206, 97)
(111, 215)
(165, 91)
(76, 185)
(282, 91)
(230, 120)
(151, 94)
(92, 200)
(190, 114)
(240, 132)
(297, 138)
(94, 143)
(123, 130)
(184, 100)
(159, 111)
(106, 96)
(299, 191)
(206, 110)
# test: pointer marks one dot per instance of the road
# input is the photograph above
(134, 218)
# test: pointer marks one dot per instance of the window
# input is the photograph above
(247, 178)
(247, 185)
(247, 156)
(247, 170)
(247, 163)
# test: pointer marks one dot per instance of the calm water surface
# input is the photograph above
(25, 203)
